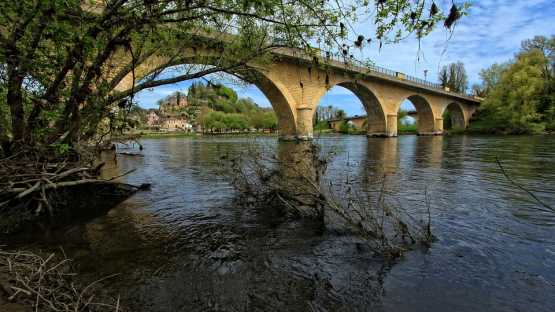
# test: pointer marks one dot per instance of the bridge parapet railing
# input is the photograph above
(361, 66)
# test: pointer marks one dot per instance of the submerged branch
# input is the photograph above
(292, 182)
(522, 187)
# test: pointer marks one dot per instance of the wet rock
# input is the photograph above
(221, 254)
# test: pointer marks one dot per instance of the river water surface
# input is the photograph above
(187, 246)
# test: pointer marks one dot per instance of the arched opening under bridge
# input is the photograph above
(223, 102)
(350, 107)
(453, 117)
(415, 115)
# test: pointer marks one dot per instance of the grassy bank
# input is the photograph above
(175, 134)
(182, 134)
(406, 129)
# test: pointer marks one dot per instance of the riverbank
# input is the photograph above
(183, 134)
(39, 189)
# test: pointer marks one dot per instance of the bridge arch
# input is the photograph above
(376, 118)
(425, 121)
(453, 116)
(274, 90)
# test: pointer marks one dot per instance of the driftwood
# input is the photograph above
(23, 177)
(130, 154)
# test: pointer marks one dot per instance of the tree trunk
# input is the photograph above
(15, 101)
(75, 124)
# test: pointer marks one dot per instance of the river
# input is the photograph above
(186, 245)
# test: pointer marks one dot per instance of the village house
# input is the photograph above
(171, 115)
(174, 123)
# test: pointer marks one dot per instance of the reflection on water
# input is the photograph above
(187, 246)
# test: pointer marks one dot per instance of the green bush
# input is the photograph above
(406, 128)
(321, 125)
(347, 128)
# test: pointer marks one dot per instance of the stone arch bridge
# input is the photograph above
(294, 84)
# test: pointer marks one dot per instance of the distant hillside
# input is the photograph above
(215, 107)
(221, 108)
(220, 98)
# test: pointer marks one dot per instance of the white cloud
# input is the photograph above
(491, 33)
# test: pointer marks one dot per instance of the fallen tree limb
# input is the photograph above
(130, 154)
(48, 185)
(70, 172)
(522, 187)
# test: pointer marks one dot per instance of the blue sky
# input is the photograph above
(490, 34)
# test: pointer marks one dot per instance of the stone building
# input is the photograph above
(175, 102)
(174, 123)
(152, 118)
(359, 122)
(171, 115)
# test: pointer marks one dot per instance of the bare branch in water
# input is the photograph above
(522, 187)
(292, 182)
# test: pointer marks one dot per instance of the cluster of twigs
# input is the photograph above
(261, 177)
(27, 179)
(22, 179)
(296, 183)
(47, 284)
(389, 228)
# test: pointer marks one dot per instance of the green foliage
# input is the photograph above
(407, 128)
(520, 95)
(61, 148)
(321, 125)
(263, 120)
(491, 76)
(226, 107)
(447, 123)
(518, 103)
(219, 98)
(224, 121)
(346, 127)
